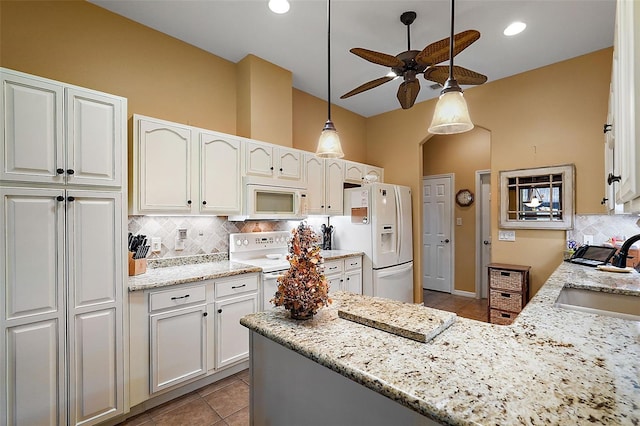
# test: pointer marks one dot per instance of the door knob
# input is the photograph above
(486, 242)
(445, 241)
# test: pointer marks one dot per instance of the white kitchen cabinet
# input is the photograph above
(272, 161)
(344, 274)
(178, 346)
(626, 83)
(162, 167)
(355, 172)
(62, 245)
(220, 174)
(235, 297)
(378, 172)
(324, 179)
(56, 133)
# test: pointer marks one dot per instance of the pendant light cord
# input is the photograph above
(451, 42)
(329, 60)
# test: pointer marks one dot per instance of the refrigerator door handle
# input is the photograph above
(395, 270)
(399, 224)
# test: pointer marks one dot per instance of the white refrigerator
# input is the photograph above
(377, 221)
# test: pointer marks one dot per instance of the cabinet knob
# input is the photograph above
(60, 198)
(204, 203)
(189, 202)
(271, 167)
(71, 198)
(322, 207)
(205, 314)
(70, 171)
(219, 311)
(328, 207)
(280, 168)
(612, 178)
(59, 171)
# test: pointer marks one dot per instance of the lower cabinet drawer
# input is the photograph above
(333, 267)
(176, 297)
(231, 286)
(505, 301)
(501, 317)
(352, 263)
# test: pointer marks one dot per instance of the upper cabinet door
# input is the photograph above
(314, 176)
(162, 162)
(259, 159)
(94, 139)
(334, 186)
(32, 130)
(220, 174)
(353, 172)
(373, 171)
(289, 164)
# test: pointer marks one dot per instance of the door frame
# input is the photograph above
(452, 267)
(482, 203)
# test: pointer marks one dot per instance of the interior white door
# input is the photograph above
(485, 223)
(437, 262)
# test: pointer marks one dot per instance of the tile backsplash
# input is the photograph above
(603, 227)
(205, 234)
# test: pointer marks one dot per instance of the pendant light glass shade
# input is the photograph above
(451, 115)
(329, 143)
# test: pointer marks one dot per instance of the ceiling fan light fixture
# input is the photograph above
(514, 28)
(279, 6)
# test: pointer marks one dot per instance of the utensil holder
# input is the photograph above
(137, 266)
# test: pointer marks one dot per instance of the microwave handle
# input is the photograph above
(301, 197)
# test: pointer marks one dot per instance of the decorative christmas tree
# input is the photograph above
(303, 289)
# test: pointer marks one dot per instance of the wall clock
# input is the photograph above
(464, 198)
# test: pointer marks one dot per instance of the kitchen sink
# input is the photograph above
(601, 303)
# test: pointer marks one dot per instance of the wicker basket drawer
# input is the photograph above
(506, 280)
(505, 301)
(500, 317)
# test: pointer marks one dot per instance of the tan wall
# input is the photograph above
(309, 115)
(462, 154)
(552, 115)
(264, 99)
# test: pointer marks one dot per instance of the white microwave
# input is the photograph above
(271, 202)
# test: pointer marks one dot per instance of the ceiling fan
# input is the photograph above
(410, 63)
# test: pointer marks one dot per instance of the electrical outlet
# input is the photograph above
(179, 244)
(587, 239)
(458, 221)
(156, 244)
(507, 235)
(182, 234)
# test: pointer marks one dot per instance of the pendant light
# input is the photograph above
(536, 199)
(451, 114)
(329, 142)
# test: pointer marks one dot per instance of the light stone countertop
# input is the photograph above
(184, 272)
(551, 366)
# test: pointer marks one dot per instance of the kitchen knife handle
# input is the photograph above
(60, 198)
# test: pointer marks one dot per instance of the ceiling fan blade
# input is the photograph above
(440, 74)
(366, 86)
(439, 51)
(377, 57)
(408, 92)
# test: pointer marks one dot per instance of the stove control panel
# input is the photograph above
(258, 241)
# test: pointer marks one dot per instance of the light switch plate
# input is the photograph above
(507, 235)
(458, 221)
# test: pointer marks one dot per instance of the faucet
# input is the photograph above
(620, 258)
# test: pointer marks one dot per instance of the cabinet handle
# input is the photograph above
(280, 168)
(348, 278)
(60, 198)
(59, 171)
(505, 315)
(238, 286)
(607, 128)
(341, 280)
(70, 171)
(71, 198)
(204, 203)
(205, 314)
(271, 167)
(328, 207)
(507, 295)
(180, 297)
(604, 200)
(322, 207)
(505, 274)
(612, 178)
(219, 311)
(189, 202)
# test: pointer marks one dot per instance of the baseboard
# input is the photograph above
(464, 293)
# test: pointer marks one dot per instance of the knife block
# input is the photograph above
(137, 266)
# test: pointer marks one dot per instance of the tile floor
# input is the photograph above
(466, 307)
(226, 402)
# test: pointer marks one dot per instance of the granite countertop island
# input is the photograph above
(551, 366)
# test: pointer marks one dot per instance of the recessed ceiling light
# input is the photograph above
(515, 28)
(279, 6)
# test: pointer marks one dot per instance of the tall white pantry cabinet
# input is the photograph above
(62, 188)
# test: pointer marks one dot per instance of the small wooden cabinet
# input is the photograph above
(508, 291)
